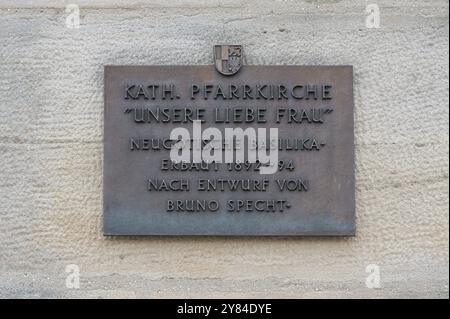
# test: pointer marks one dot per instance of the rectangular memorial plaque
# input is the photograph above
(148, 191)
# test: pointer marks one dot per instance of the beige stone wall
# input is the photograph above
(51, 120)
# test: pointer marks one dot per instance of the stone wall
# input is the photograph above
(51, 123)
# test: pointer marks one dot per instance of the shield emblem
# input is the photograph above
(228, 58)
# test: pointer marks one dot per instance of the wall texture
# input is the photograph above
(51, 121)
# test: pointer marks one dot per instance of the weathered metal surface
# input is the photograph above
(324, 203)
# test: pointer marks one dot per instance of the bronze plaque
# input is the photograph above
(147, 191)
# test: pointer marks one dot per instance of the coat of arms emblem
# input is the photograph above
(228, 58)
